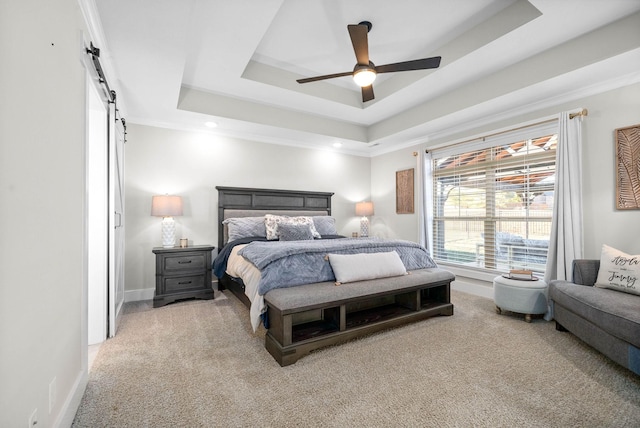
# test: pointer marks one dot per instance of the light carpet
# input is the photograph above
(198, 364)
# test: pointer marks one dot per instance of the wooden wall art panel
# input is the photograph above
(628, 168)
(404, 191)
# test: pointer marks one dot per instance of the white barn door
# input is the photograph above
(116, 219)
(97, 217)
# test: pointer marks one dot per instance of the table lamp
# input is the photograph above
(364, 209)
(167, 206)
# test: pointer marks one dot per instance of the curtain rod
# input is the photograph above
(583, 112)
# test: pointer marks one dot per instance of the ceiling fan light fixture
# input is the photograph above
(365, 71)
(364, 76)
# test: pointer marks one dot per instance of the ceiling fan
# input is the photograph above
(365, 71)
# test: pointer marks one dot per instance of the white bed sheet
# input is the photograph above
(239, 267)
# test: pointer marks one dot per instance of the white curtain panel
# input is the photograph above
(566, 241)
(425, 200)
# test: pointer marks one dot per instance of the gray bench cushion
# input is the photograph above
(310, 296)
(616, 313)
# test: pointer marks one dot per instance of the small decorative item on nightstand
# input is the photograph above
(182, 273)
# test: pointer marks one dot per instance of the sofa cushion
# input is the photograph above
(311, 296)
(585, 271)
(616, 313)
(619, 271)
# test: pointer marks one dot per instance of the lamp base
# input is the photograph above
(168, 232)
(364, 227)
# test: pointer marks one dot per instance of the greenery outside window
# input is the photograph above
(493, 201)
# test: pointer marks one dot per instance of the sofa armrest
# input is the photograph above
(585, 272)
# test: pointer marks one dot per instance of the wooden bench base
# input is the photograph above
(305, 318)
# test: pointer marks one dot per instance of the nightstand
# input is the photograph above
(182, 273)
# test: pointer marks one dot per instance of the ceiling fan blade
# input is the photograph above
(325, 77)
(360, 43)
(367, 93)
(416, 64)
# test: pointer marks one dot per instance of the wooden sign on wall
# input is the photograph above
(628, 168)
(404, 191)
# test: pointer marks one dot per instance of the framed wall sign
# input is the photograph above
(628, 168)
(404, 191)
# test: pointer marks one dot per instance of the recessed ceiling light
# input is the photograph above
(210, 124)
(337, 144)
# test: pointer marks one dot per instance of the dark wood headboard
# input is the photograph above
(242, 198)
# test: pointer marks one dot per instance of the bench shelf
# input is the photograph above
(296, 331)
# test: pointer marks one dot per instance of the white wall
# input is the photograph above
(386, 223)
(42, 122)
(192, 164)
(603, 223)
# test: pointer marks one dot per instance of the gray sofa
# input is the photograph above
(605, 319)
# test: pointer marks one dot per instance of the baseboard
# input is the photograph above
(149, 293)
(140, 294)
(475, 289)
(72, 403)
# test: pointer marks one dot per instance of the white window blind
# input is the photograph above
(493, 200)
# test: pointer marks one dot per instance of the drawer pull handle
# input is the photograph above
(184, 282)
(184, 262)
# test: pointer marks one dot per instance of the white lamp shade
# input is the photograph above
(364, 208)
(166, 206)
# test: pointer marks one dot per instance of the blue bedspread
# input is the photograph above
(291, 263)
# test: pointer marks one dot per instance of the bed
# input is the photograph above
(281, 255)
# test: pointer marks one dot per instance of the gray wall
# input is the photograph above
(603, 223)
(192, 164)
(42, 189)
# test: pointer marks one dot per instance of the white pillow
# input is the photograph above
(271, 224)
(619, 271)
(360, 267)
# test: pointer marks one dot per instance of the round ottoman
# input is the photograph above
(520, 296)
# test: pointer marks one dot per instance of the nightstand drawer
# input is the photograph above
(184, 262)
(183, 283)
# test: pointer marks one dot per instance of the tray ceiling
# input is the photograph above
(180, 64)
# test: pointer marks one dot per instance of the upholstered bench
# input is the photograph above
(312, 316)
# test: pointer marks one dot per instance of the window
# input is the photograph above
(493, 201)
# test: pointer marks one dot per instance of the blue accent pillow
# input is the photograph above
(245, 227)
(294, 232)
(325, 225)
